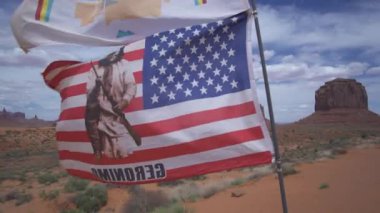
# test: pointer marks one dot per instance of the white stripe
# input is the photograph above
(70, 125)
(175, 110)
(80, 100)
(135, 66)
(83, 77)
(188, 107)
(74, 101)
(72, 81)
(139, 90)
(53, 73)
(173, 138)
(138, 45)
(75, 147)
(214, 155)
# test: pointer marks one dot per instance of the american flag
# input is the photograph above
(196, 62)
(196, 107)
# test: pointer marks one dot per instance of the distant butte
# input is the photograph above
(341, 101)
(18, 119)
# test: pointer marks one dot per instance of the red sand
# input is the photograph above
(353, 186)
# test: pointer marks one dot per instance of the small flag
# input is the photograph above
(123, 33)
(43, 10)
(191, 99)
(96, 23)
(200, 2)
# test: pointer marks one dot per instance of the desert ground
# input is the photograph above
(329, 168)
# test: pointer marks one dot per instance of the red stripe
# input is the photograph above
(68, 73)
(78, 136)
(130, 56)
(184, 172)
(173, 124)
(194, 119)
(78, 89)
(138, 77)
(200, 145)
(82, 174)
(135, 105)
(134, 55)
(79, 112)
(39, 8)
(72, 113)
(204, 1)
(57, 64)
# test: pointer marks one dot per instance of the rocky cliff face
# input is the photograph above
(18, 119)
(11, 115)
(342, 101)
(341, 94)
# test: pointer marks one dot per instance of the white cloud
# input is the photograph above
(287, 71)
(350, 70)
(373, 71)
(15, 57)
(295, 68)
(291, 101)
(292, 27)
(268, 54)
(29, 96)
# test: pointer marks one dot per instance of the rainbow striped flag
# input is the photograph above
(200, 2)
(43, 10)
(40, 22)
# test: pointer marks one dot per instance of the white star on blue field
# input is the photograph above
(306, 43)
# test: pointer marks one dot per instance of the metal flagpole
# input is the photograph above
(270, 109)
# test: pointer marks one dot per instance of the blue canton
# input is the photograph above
(200, 61)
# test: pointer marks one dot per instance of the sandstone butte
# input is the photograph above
(341, 101)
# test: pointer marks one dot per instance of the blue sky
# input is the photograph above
(306, 42)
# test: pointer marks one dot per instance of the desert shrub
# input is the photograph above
(23, 198)
(47, 178)
(11, 195)
(75, 184)
(193, 198)
(364, 135)
(73, 211)
(172, 208)
(324, 186)
(92, 199)
(10, 132)
(191, 192)
(22, 178)
(20, 197)
(260, 171)
(143, 201)
(198, 177)
(16, 153)
(237, 182)
(63, 174)
(171, 183)
(2, 199)
(338, 151)
(288, 169)
(12, 175)
(49, 195)
(209, 192)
